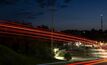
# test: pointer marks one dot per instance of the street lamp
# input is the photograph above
(52, 27)
(52, 4)
(101, 21)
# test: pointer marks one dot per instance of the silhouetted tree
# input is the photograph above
(43, 26)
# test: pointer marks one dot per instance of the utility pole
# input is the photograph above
(101, 21)
(52, 5)
(52, 28)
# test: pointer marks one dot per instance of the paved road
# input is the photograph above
(92, 62)
(104, 63)
(74, 59)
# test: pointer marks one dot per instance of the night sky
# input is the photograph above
(77, 14)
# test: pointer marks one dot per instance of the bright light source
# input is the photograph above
(78, 43)
(57, 55)
(101, 14)
(99, 52)
(56, 49)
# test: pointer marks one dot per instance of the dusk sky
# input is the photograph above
(79, 14)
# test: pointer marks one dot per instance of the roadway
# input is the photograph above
(7, 28)
(11, 29)
(102, 61)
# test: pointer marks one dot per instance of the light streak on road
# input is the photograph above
(46, 33)
(102, 53)
(36, 37)
(97, 62)
(88, 62)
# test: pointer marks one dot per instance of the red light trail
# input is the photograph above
(32, 31)
(91, 62)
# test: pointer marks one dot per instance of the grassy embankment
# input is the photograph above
(10, 57)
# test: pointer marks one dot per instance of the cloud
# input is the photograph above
(8, 2)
